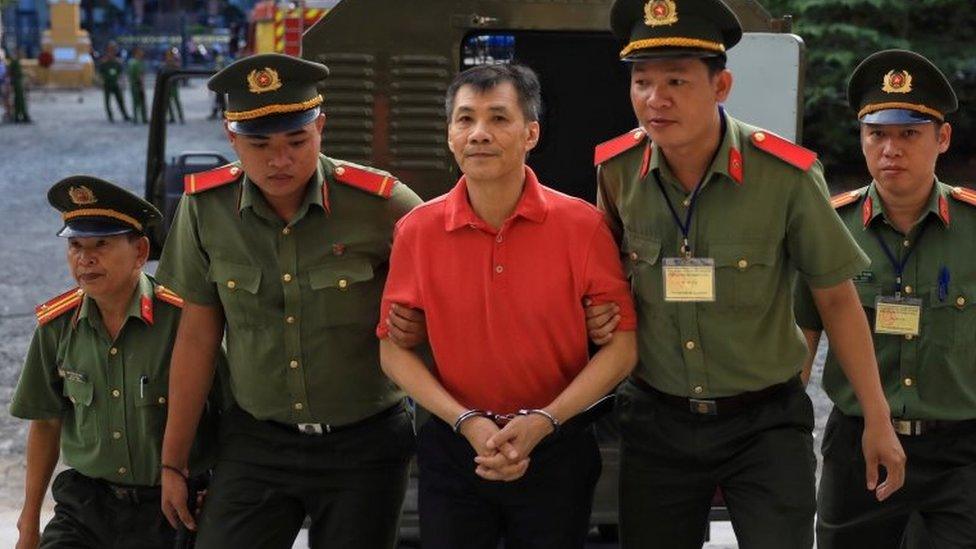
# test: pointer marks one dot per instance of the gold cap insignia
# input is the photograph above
(82, 195)
(264, 80)
(660, 12)
(897, 82)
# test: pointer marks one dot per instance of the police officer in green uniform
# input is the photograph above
(136, 73)
(289, 249)
(96, 379)
(919, 296)
(716, 217)
(20, 94)
(111, 71)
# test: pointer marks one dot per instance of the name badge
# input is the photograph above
(897, 315)
(689, 279)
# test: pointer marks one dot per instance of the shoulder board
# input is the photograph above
(843, 199)
(198, 182)
(365, 180)
(784, 149)
(963, 194)
(56, 307)
(169, 296)
(617, 146)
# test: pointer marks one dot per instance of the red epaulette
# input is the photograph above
(365, 180)
(620, 144)
(198, 182)
(843, 199)
(963, 194)
(56, 307)
(169, 296)
(784, 149)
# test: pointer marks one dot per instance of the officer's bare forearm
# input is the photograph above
(608, 367)
(190, 378)
(850, 340)
(813, 341)
(409, 372)
(43, 450)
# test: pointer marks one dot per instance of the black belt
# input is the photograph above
(325, 428)
(132, 494)
(917, 427)
(718, 406)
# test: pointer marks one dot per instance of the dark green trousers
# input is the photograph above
(672, 461)
(940, 487)
(269, 477)
(89, 515)
(138, 103)
(114, 91)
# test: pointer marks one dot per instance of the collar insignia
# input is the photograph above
(897, 82)
(264, 80)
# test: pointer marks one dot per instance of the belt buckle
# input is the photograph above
(907, 427)
(703, 407)
(311, 428)
(127, 495)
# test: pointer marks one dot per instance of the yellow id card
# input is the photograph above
(691, 279)
(897, 315)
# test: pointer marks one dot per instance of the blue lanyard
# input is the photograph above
(685, 227)
(899, 266)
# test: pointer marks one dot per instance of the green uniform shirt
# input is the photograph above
(301, 299)
(135, 70)
(110, 71)
(777, 221)
(109, 395)
(932, 376)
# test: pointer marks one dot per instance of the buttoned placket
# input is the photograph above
(292, 291)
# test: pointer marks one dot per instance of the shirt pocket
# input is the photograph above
(345, 293)
(953, 320)
(151, 400)
(238, 286)
(81, 393)
(641, 259)
(745, 276)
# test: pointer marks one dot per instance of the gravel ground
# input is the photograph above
(71, 135)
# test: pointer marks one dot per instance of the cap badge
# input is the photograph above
(264, 80)
(82, 195)
(897, 82)
(660, 12)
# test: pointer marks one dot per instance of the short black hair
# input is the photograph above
(715, 64)
(486, 77)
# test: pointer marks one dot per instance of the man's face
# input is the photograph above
(902, 157)
(104, 266)
(488, 132)
(675, 100)
(280, 164)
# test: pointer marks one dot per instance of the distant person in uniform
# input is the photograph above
(111, 71)
(6, 116)
(94, 384)
(283, 256)
(715, 219)
(219, 100)
(500, 266)
(174, 107)
(20, 115)
(136, 74)
(919, 293)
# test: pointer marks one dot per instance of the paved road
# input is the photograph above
(70, 136)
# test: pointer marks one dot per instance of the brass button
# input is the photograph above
(116, 435)
(113, 351)
(234, 170)
(161, 400)
(743, 263)
(908, 289)
(909, 382)
(633, 256)
(286, 231)
(499, 269)
(299, 406)
(638, 134)
(116, 393)
(72, 399)
(290, 319)
(343, 283)
(686, 202)
(960, 301)
(286, 277)
(698, 389)
(909, 337)
(499, 239)
(906, 243)
(760, 137)
(340, 170)
(689, 345)
(123, 470)
(293, 364)
(231, 284)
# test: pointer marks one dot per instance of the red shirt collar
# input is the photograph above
(532, 205)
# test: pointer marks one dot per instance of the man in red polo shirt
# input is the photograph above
(501, 266)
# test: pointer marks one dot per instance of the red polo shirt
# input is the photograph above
(504, 308)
